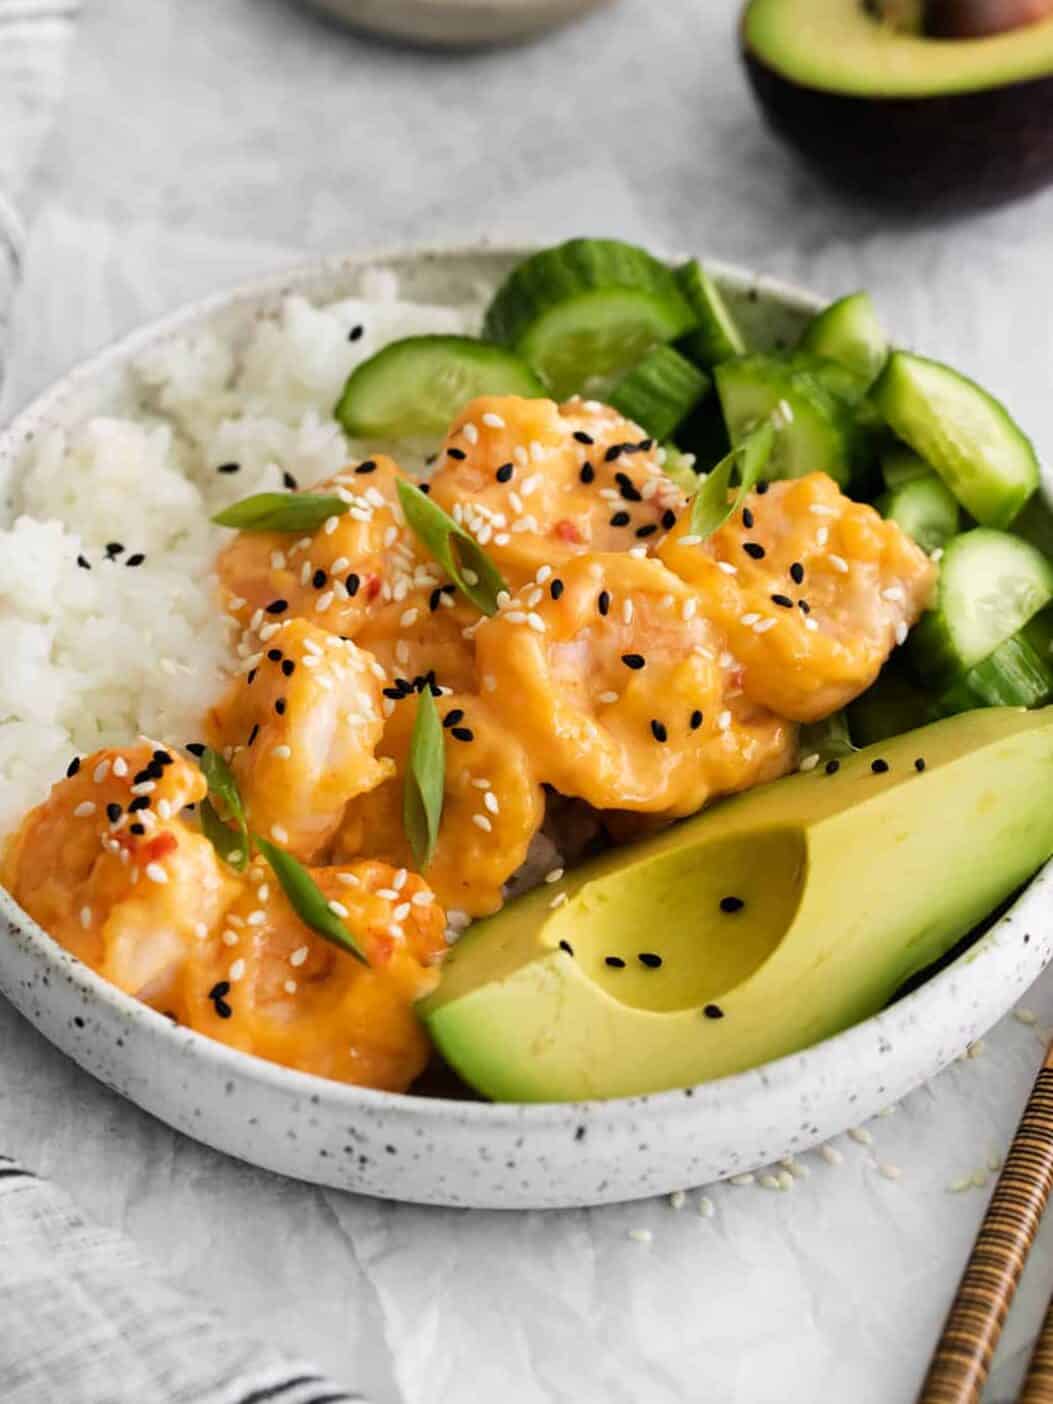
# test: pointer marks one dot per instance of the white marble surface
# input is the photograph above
(207, 139)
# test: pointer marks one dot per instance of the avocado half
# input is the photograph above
(880, 102)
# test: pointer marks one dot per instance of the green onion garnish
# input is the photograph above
(281, 511)
(711, 508)
(228, 844)
(307, 899)
(423, 787)
(459, 554)
(223, 787)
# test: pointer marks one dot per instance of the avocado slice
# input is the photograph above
(780, 917)
(892, 113)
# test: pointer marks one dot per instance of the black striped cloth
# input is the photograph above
(84, 1320)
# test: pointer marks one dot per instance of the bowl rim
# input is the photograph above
(777, 1074)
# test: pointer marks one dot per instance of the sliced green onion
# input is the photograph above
(423, 787)
(281, 511)
(711, 508)
(228, 844)
(459, 554)
(307, 899)
(222, 786)
(828, 739)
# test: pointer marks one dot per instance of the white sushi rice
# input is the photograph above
(96, 657)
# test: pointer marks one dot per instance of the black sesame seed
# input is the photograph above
(229, 468)
(113, 811)
(658, 731)
(289, 481)
(84, 564)
(217, 994)
(139, 829)
(620, 519)
(713, 1011)
(253, 733)
(505, 472)
(783, 601)
(73, 767)
(731, 904)
(613, 452)
(356, 332)
(276, 607)
(797, 573)
(395, 693)
(279, 706)
(458, 454)
(352, 583)
(627, 487)
(645, 445)
(615, 962)
(648, 530)
(588, 473)
(113, 548)
(453, 716)
(434, 688)
(879, 767)
(434, 598)
(747, 519)
(649, 959)
(319, 578)
(556, 588)
(251, 677)
(669, 519)
(566, 946)
(196, 748)
(136, 559)
(288, 667)
(804, 606)
(761, 488)
(603, 602)
(582, 437)
(141, 776)
(425, 488)
(754, 549)
(832, 767)
(919, 764)
(140, 802)
(163, 758)
(634, 660)
(696, 719)
(461, 733)
(368, 466)
(275, 655)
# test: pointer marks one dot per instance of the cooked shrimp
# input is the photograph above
(267, 984)
(536, 484)
(812, 589)
(492, 805)
(301, 728)
(421, 636)
(618, 685)
(108, 868)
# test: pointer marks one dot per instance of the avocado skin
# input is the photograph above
(954, 152)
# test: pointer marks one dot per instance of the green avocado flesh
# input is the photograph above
(838, 47)
(850, 884)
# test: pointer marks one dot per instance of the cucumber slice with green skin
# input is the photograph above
(1035, 524)
(966, 435)
(716, 338)
(818, 430)
(587, 310)
(848, 331)
(416, 386)
(901, 465)
(1018, 674)
(893, 705)
(925, 508)
(660, 391)
(990, 585)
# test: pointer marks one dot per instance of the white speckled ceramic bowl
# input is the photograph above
(438, 1151)
(456, 23)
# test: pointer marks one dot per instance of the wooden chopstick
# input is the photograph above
(1038, 1383)
(981, 1304)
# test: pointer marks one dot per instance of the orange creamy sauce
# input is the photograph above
(629, 668)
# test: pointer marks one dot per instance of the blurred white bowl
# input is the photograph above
(456, 23)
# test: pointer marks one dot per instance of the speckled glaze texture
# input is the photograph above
(435, 1151)
(456, 23)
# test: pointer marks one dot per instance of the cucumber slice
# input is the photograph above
(818, 430)
(1035, 524)
(925, 508)
(991, 584)
(660, 391)
(900, 465)
(1018, 674)
(716, 338)
(893, 705)
(416, 386)
(849, 332)
(587, 310)
(966, 435)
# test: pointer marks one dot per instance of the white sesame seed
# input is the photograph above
(470, 432)
(607, 698)
(764, 626)
(706, 1207)
(745, 1178)
(235, 920)
(690, 540)
(120, 767)
(282, 752)
(101, 771)
(936, 555)
(861, 1135)
(258, 917)
(820, 509)
(422, 899)
(298, 956)
(901, 632)
(638, 553)
(554, 874)
(268, 632)
(839, 563)
(145, 787)
(640, 1235)
(1025, 1016)
(230, 938)
(723, 721)
(279, 834)
(156, 873)
(289, 987)
(677, 1199)
(957, 1186)
(893, 593)
(324, 601)
(689, 609)
(470, 577)
(831, 1155)
(976, 1050)
(809, 762)
(481, 822)
(890, 1171)
(85, 917)
(409, 618)
(84, 810)
(401, 912)
(770, 1182)
(337, 908)
(349, 879)
(811, 625)
(727, 568)
(331, 524)
(749, 620)
(200, 930)
(822, 536)
(237, 970)
(535, 622)
(784, 1180)
(557, 901)
(515, 616)
(493, 421)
